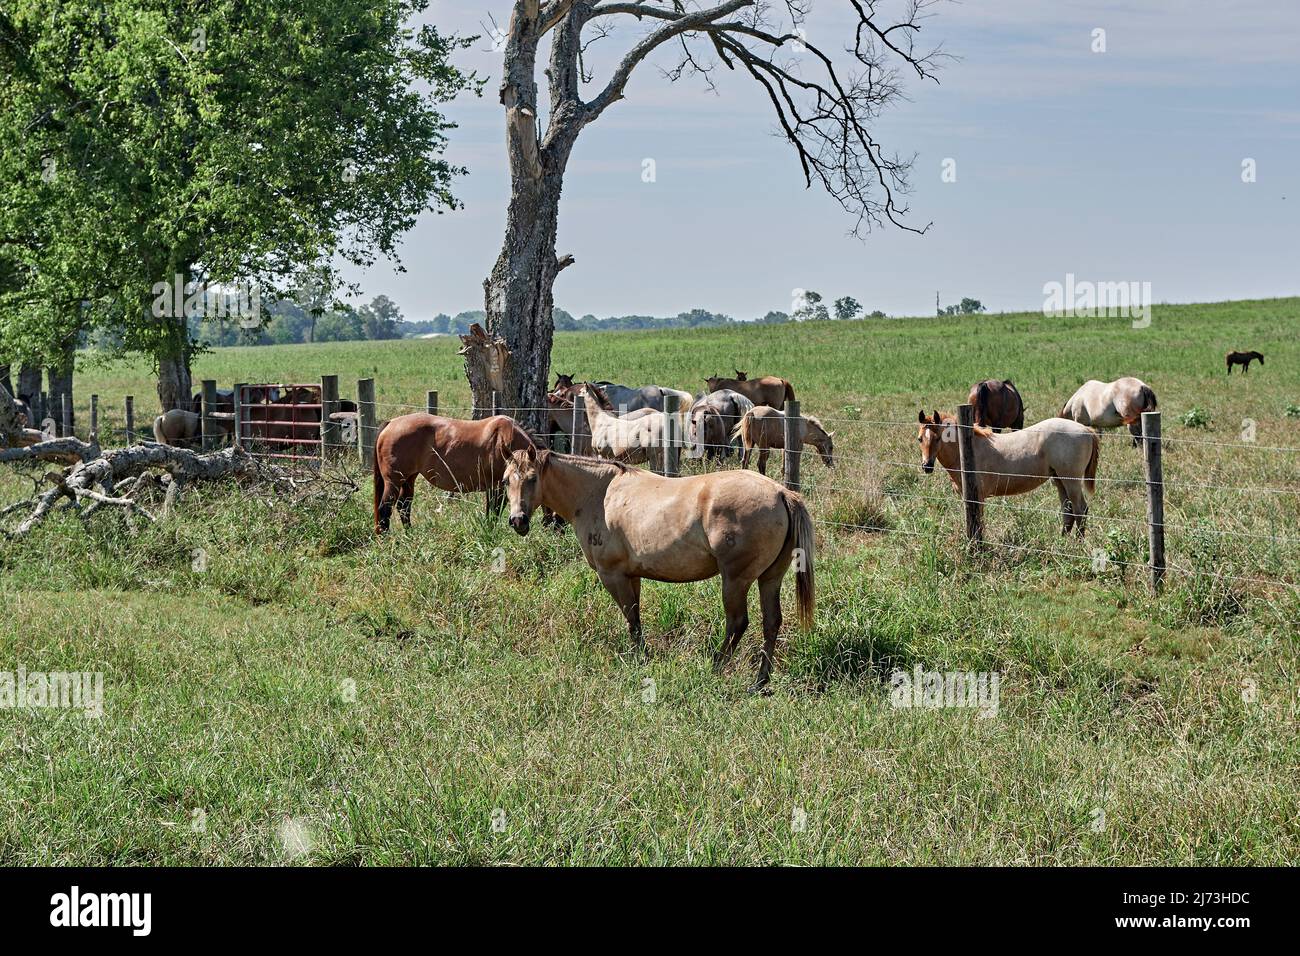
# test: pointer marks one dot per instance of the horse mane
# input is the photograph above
(601, 398)
(811, 419)
(583, 462)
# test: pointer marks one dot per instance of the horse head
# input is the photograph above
(523, 480)
(931, 439)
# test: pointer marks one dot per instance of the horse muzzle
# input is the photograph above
(519, 523)
(927, 466)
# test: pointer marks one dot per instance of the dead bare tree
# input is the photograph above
(825, 107)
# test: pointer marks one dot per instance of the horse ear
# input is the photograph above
(920, 417)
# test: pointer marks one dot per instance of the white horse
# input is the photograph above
(634, 440)
(1112, 404)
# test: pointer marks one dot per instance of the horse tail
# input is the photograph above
(379, 488)
(744, 429)
(158, 434)
(789, 390)
(1090, 471)
(981, 403)
(801, 529)
(1148, 398)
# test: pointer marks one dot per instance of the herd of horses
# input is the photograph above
(286, 416)
(632, 523)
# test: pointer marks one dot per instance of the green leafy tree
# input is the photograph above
(811, 308)
(847, 307)
(224, 142)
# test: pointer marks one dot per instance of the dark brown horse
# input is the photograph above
(768, 390)
(997, 404)
(1244, 359)
(451, 453)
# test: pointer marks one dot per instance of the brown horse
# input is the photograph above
(634, 524)
(1244, 359)
(998, 405)
(768, 390)
(451, 453)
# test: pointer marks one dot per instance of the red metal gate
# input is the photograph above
(279, 421)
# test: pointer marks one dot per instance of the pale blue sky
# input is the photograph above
(1116, 166)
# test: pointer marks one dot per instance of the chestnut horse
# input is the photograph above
(1014, 463)
(763, 427)
(768, 390)
(451, 453)
(1244, 359)
(998, 405)
(634, 524)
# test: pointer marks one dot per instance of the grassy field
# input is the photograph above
(314, 696)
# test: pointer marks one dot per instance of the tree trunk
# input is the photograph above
(518, 298)
(29, 385)
(61, 385)
(175, 386)
(518, 293)
(5, 380)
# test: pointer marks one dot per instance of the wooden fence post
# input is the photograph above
(46, 411)
(431, 401)
(208, 405)
(1155, 496)
(970, 483)
(66, 401)
(793, 438)
(367, 428)
(329, 406)
(130, 420)
(672, 448)
(94, 417)
(579, 428)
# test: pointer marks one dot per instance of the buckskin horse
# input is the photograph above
(1017, 462)
(451, 453)
(634, 524)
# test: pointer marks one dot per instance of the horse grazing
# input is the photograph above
(451, 454)
(632, 440)
(1017, 462)
(712, 421)
(182, 427)
(1244, 359)
(634, 524)
(1112, 404)
(763, 427)
(768, 390)
(997, 404)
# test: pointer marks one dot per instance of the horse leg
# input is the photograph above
(626, 592)
(405, 496)
(1067, 514)
(762, 461)
(735, 602)
(384, 505)
(1078, 504)
(769, 594)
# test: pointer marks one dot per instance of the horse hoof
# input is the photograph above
(760, 690)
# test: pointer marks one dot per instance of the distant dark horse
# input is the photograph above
(1244, 359)
(997, 404)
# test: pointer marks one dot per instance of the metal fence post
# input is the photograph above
(671, 449)
(130, 420)
(66, 399)
(970, 486)
(94, 417)
(431, 401)
(367, 429)
(793, 438)
(1155, 496)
